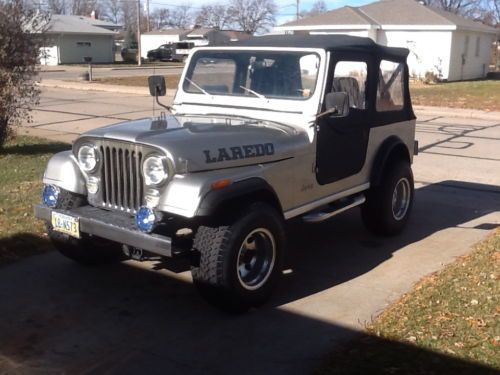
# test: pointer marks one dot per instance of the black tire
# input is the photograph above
(86, 250)
(217, 276)
(379, 214)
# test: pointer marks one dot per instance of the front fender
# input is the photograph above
(63, 171)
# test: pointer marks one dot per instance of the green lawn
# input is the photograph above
(22, 162)
(448, 324)
(483, 95)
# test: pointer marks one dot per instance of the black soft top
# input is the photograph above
(327, 42)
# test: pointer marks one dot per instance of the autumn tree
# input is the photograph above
(20, 39)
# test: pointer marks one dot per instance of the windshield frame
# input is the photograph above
(188, 73)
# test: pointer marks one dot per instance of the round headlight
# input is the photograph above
(155, 170)
(88, 157)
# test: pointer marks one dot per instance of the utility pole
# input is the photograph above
(298, 9)
(138, 32)
(147, 16)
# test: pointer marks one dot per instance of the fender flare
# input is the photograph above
(63, 171)
(251, 188)
(392, 147)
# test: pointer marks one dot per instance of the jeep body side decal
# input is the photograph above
(238, 152)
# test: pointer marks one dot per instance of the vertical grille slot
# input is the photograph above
(121, 178)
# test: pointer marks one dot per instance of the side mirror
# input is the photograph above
(157, 86)
(337, 104)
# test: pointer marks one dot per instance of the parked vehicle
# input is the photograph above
(162, 53)
(270, 129)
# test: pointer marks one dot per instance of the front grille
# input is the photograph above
(121, 177)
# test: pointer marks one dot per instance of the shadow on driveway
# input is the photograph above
(127, 319)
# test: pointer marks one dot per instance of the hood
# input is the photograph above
(200, 144)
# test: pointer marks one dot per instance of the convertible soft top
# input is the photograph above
(327, 42)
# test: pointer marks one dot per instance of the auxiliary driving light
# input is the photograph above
(50, 195)
(145, 219)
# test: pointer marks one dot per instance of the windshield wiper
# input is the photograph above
(197, 86)
(253, 92)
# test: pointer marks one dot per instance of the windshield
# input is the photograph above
(261, 74)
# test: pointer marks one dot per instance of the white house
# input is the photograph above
(71, 38)
(441, 42)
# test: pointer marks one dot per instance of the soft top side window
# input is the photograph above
(390, 90)
(350, 77)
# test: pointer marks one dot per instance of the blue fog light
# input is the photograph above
(50, 195)
(145, 219)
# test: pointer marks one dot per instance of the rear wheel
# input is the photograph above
(240, 263)
(86, 250)
(388, 205)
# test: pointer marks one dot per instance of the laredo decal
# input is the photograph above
(239, 152)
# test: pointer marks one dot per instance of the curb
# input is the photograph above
(456, 112)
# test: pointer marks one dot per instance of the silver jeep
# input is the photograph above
(260, 132)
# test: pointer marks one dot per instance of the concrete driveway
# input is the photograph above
(145, 318)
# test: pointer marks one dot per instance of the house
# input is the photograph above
(71, 38)
(200, 36)
(450, 46)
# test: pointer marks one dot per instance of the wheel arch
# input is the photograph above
(237, 196)
(391, 150)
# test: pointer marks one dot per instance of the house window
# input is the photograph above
(350, 77)
(390, 91)
(466, 45)
(478, 43)
(83, 44)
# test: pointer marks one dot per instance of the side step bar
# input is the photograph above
(334, 208)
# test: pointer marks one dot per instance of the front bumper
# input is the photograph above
(113, 226)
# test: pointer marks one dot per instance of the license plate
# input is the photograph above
(66, 224)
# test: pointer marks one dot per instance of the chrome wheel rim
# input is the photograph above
(256, 257)
(401, 199)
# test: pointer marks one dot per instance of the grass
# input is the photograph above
(139, 81)
(22, 162)
(449, 323)
(483, 95)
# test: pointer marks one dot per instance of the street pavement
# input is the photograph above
(58, 317)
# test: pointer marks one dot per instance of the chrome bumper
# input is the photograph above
(113, 226)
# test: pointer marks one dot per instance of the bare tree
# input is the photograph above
(56, 6)
(181, 17)
(21, 31)
(461, 7)
(160, 18)
(85, 7)
(113, 10)
(129, 15)
(216, 16)
(253, 15)
(317, 8)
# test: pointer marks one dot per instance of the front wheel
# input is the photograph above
(388, 205)
(240, 263)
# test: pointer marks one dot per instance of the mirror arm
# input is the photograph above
(327, 112)
(168, 108)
